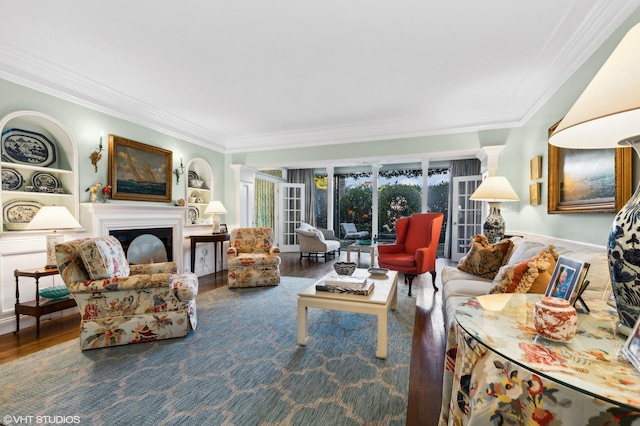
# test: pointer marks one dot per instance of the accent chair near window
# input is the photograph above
(414, 251)
(317, 242)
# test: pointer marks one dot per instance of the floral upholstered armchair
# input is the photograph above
(253, 260)
(121, 303)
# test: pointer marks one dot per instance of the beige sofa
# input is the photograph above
(458, 286)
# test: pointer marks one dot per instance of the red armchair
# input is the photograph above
(414, 251)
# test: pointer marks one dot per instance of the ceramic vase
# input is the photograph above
(624, 259)
(494, 224)
(555, 319)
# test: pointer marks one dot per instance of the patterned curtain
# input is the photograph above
(265, 204)
(306, 176)
(468, 167)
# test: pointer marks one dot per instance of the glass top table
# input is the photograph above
(591, 363)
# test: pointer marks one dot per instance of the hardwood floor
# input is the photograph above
(427, 352)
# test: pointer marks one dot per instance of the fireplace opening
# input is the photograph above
(150, 245)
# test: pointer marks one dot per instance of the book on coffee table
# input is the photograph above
(362, 291)
(346, 281)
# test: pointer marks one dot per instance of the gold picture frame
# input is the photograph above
(535, 167)
(534, 193)
(139, 171)
(588, 180)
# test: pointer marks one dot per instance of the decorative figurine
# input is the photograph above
(93, 189)
(106, 193)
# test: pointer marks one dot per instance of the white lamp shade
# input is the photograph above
(608, 111)
(215, 207)
(495, 189)
(53, 217)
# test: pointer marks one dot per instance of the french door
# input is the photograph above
(466, 214)
(291, 202)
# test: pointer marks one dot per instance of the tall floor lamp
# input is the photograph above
(495, 190)
(54, 218)
(607, 115)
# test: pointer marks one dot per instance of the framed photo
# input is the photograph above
(535, 166)
(138, 171)
(631, 347)
(588, 180)
(565, 278)
(534, 193)
(223, 228)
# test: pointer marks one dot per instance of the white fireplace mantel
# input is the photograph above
(100, 218)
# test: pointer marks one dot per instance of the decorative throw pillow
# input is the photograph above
(540, 284)
(104, 258)
(485, 259)
(508, 277)
(70, 263)
(528, 276)
(305, 227)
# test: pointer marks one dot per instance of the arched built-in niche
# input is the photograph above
(198, 197)
(39, 167)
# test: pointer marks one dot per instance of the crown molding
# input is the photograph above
(29, 71)
(558, 60)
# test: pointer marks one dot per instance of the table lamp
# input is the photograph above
(54, 218)
(215, 208)
(495, 190)
(607, 115)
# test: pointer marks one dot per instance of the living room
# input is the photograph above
(89, 120)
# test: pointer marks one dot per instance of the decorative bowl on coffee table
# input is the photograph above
(344, 268)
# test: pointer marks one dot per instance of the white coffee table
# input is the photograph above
(383, 297)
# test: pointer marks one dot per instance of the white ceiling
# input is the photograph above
(248, 75)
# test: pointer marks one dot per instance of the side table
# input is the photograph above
(218, 242)
(502, 368)
(34, 308)
(359, 247)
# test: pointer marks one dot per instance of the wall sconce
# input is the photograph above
(96, 155)
(179, 171)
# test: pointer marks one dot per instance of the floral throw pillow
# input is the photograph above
(529, 276)
(485, 259)
(104, 258)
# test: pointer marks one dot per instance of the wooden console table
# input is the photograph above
(34, 308)
(218, 242)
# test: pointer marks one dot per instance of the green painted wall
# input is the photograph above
(86, 125)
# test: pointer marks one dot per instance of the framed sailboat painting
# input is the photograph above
(138, 171)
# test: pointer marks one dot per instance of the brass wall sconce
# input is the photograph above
(96, 155)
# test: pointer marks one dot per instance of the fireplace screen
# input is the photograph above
(146, 245)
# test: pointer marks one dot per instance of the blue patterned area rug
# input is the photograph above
(242, 366)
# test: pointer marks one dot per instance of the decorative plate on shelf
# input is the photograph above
(11, 179)
(18, 213)
(193, 214)
(45, 182)
(193, 175)
(25, 147)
